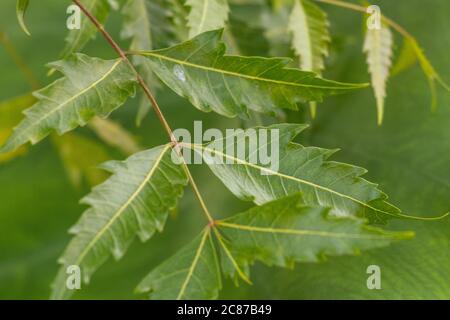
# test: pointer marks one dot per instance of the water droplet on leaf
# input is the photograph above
(179, 73)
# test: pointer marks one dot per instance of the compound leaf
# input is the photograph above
(192, 273)
(90, 87)
(229, 85)
(378, 48)
(135, 200)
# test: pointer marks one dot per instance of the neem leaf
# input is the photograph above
(229, 85)
(135, 200)
(21, 9)
(299, 169)
(149, 25)
(77, 39)
(287, 230)
(192, 273)
(378, 47)
(309, 27)
(90, 87)
(206, 15)
(279, 233)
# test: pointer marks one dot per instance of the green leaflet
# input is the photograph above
(206, 15)
(135, 200)
(76, 40)
(90, 87)
(309, 27)
(199, 70)
(149, 25)
(21, 8)
(286, 231)
(192, 273)
(300, 169)
(378, 47)
(137, 27)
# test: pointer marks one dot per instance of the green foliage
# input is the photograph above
(287, 230)
(406, 58)
(206, 15)
(307, 209)
(21, 8)
(76, 39)
(230, 85)
(90, 87)
(378, 47)
(301, 169)
(429, 72)
(309, 27)
(149, 25)
(136, 200)
(278, 233)
(192, 273)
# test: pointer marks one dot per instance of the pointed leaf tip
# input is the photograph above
(89, 87)
(21, 9)
(231, 85)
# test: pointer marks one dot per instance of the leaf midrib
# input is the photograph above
(79, 33)
(194, 263)
(302, 232)
(285, 176)
(308, 41)
(254, 78)
(203, 19)
(90, 87)
(123, 207)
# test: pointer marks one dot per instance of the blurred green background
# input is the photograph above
(409, 156)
